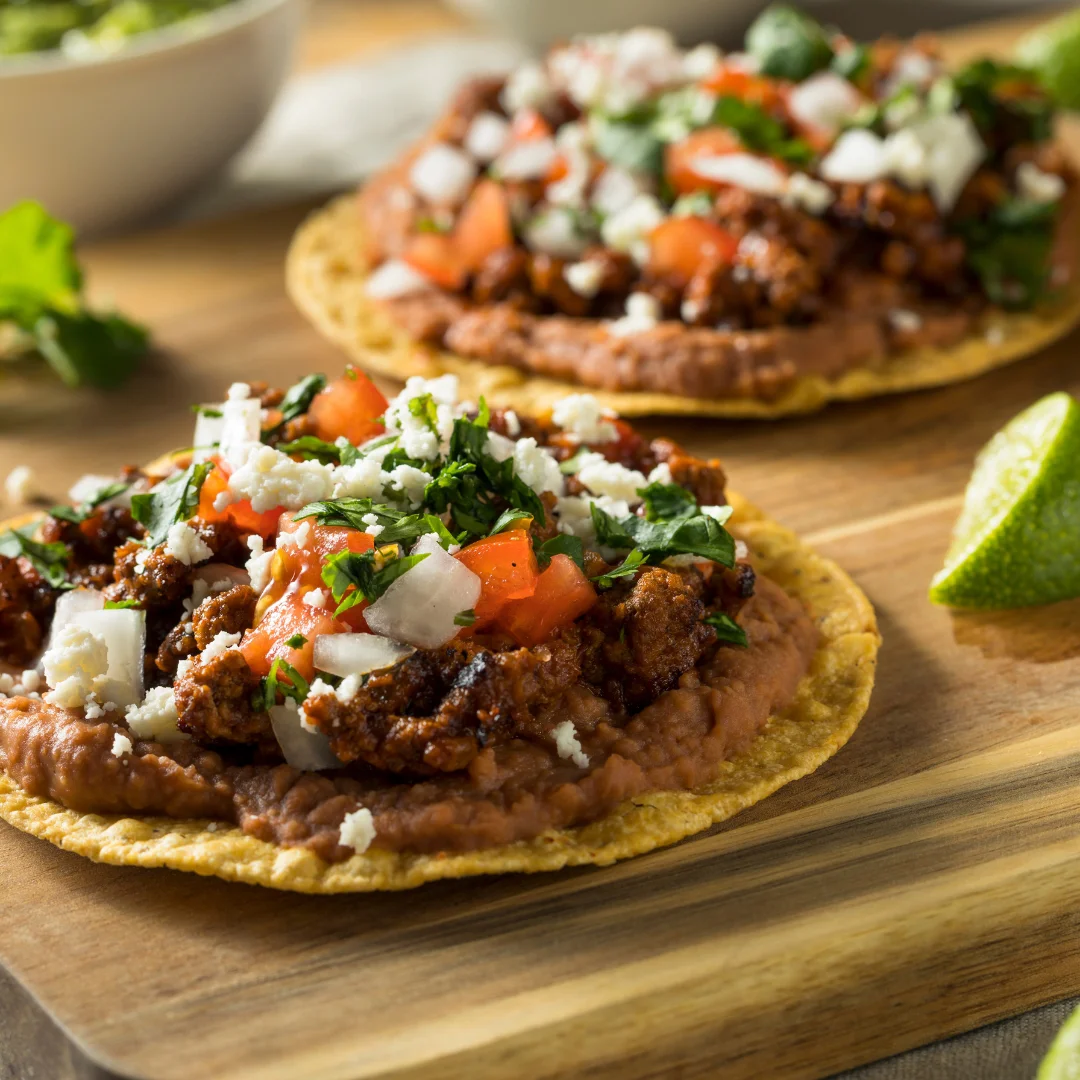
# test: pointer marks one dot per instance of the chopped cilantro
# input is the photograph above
(297, 641)
(49, 560)
(631, 146)
(174, 499)
(727, 629)
(78, 514)
(354, 577)
(309, 448)
(120, 605)
(573, 464)
(465, 618)
(852, 64)
(208, 411)
(283, 679)
(759, 131)
(398, 527)
(561, 545)
(41, 295)
(788, 44)
(698, 535)
(1004, 102)
(667, 502)
(296, 402)
(425, 409)
(511, 519)
(630, 565)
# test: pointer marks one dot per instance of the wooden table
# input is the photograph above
(923, 882)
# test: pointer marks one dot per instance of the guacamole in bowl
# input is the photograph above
(82, 28)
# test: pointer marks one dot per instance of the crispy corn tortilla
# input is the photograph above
(325, 277)
(828, 705)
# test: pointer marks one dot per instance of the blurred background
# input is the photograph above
(121, 113)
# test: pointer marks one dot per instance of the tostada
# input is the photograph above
(749, 234)
(351, 644)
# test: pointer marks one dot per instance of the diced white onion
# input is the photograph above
(527, 161)
(303, 749)
(124, 632)
(357, 654)
(857, 157)
(395, 278)
(443, 174)
(241, 426)
(487, 136)
(742, 170)
(208, 432)
(824, 101)
(419, 607)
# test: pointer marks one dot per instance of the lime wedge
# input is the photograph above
(1052, 50)
(1017, 541)
(1062, 1061)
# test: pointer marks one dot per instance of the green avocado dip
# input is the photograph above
(88, 28)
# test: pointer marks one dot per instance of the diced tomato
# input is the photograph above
(563, 594)
(265, 524)
(280, 622)
(483, 226)
(506, 566)
(349, 406)
(436, 257)
(679, 158)
(680, 246)
(735, 82)
(528, 126)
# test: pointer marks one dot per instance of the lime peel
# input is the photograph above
(1062, 1061)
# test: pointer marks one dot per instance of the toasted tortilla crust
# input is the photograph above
(828, 705)
(325, 277)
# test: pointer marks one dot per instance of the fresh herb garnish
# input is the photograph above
(727, 629)
(174, 499)
(759, 131)
(788, 44)
(561, 545)
(41, 295)
(572, 465)
(852, 64)
(208, 411)
(78, 514)
(49, 560)
(282, 679)
(465, 618)
(398, 527)
(296, 402)
(308, 448)
(635, 147)
(510, 519)
(354, 577)
(630, 565)
(297, 641)
(120, 605)
(1004, 102)
(667, 502)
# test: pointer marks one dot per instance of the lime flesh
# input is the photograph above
(1053, 52)
(1017, 541)
(1062, 1061)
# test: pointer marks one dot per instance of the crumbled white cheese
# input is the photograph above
(536, 467)
(643, 312)
(238, 391)
(349, 688)
(156, 717)
(316, 598)
(142, 557)
(223, 641)
(951, 151)
(911, 68)
(584, 277)
(527, 87)
(615, 189)
(513, 424)
(417, 438)
(358, 830)
(183, 667)
(575, 517)
(582, 416)
(700, 61)
(121, 745)
(499, 446)
(363, 479)
(258, 566)
(487, 136)
(411, 482)
(298, 538)
(76, 665)
(569, 191)
(612, 479)
(1035, 184)
(30, 681)
(373, 527)
(443, 174)
(19, 485)
(222, 501)
(567, 744)
(395, 278)
(661, 474)
(824, 102)
(627, 229)
(271, 479)
(857, 157)
(92, 708)
(7, 683)
(907, 322)
(806, 193)
(185, 545)
(531, 160)
(741, 550)
(554, 231)
(752, 173)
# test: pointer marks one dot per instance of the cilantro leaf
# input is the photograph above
(699, 535)
(174, 499)
(282, 679)
(635, 147)
(398, 527)
(465, 618)
(788, 43)
(296, 402)
(354, 577)
(759, 131)
(510, 519)
(49, 560)
(1004, 102)
(310, 448)
(120, 605)
(727, 629)
(78, 514)
(630, 565)
(561, 545)
(297, 641)
(666, 502)
(88, 349)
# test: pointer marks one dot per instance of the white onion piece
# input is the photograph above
(419, 607)
(214, 573)
(824, 101)
(307, 750)
(69, 605)
(395, 278)
(742, 170)
(357, 654)
(857, 157)
(124, 631)
(241, 426)
(208, 432)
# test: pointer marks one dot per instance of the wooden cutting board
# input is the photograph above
(925, 881)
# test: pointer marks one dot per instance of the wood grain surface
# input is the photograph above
(923, 882)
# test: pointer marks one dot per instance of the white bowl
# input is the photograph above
(538, 23)
(107, 141)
